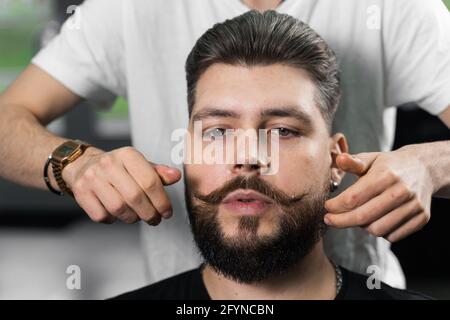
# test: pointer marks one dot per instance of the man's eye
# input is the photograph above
(285, 132)
(214, 133)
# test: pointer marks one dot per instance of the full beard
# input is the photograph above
(249, 257)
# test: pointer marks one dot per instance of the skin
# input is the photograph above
(306, 151)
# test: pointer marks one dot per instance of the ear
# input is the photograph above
(338, 145)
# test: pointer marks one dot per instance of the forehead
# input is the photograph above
(249, 90)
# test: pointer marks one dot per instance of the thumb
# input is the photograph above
(357, 164)
(167, 174)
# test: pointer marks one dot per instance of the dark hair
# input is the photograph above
(255, 38)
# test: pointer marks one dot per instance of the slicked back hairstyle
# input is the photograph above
(255, 38)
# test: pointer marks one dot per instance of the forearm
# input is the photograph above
(436, 156)
(24, 147)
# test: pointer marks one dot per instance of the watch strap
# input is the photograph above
(47, 179)
(57, 173)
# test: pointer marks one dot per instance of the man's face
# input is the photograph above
(249, 225)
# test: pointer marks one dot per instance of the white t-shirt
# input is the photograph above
(390, 51)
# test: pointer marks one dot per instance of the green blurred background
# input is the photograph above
(20, 24)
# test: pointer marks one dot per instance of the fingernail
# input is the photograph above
(167, 214)
(154, 222)
(327, 220)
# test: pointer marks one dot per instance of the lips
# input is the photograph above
(246, 202)
(249, 195)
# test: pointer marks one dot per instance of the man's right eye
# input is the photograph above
(214, 133)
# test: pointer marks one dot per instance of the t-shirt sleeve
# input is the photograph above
(87, 55)
(416, 42)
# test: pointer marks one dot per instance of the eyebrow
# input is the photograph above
(289, 112)
(212, 112)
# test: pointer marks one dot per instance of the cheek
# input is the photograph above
(301, 167)
(206, 177)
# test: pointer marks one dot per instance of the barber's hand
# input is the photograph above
(120, 184)
(391, 198)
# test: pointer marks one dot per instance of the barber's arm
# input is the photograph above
(392, 196)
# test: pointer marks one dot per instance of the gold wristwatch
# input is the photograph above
(66, 153)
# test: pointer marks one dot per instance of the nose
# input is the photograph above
(251, 165)
(250, 152)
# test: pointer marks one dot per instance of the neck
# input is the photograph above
(262, 5)
(312, 278)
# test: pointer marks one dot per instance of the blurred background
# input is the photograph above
(44, 234)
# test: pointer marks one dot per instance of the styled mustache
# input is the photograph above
(252, 182)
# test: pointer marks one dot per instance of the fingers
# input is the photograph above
(155, 220)
(366, 188)
(394, 214)
(150, 182)
(113, 202)
(93, 207)
(167, 174)
(122, 184)
(411, 226)
(350, 164)
(357, 164)
(394, 219)
(130, 191)
(372, 210)
(92, 204)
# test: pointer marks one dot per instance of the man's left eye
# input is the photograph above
(285, 132)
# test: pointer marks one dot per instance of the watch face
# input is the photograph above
(65, 150)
